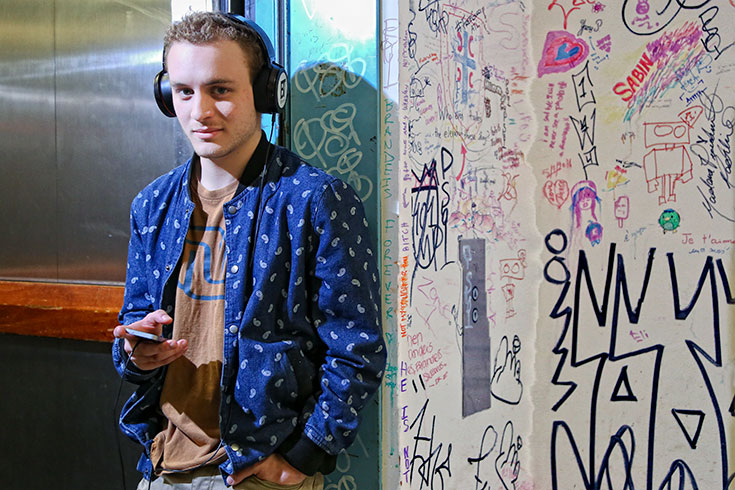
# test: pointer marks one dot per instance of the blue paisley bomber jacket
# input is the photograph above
(304, 352)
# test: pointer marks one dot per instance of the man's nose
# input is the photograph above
(202, 106)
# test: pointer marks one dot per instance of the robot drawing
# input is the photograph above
(668, 160)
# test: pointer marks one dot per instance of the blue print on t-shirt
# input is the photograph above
(206, 257)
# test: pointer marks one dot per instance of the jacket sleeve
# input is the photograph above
(347, 320)
(137, 301)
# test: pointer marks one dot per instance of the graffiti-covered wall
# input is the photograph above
(464, 279)
(559, 235)
(633, 156)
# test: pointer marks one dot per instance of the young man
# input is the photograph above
(267, 291)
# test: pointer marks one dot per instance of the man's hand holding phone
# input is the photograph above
(152, 352)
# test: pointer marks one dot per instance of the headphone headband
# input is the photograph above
(270, 85)
(262, 38)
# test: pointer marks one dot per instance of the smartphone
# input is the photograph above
(145, 335)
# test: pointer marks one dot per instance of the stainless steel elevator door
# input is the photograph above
(80, 133)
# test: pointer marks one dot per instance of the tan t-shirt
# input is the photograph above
(191, 391)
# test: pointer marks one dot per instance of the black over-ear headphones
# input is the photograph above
(270, 86)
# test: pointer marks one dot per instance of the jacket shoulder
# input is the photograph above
(296, 171)
(161, 188)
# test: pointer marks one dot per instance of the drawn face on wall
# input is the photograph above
(511, 269)
(669, 220)
(666, 133)
(622, 207)
(514, 268)
(586, 199)
(594, 233)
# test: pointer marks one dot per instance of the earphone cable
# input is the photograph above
(115, 417)
(249, 280)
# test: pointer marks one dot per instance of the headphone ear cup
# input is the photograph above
(280, 95)
(270, 90)
(261, 95)
(260, 92)
(162, 93)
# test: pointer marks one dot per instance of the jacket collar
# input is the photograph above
(249, 175)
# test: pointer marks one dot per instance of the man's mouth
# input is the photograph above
(206, 133)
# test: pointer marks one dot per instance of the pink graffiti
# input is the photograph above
(562, 52)
(556, 192)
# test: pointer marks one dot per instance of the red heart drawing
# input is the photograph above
(562, 52)
(557, 192)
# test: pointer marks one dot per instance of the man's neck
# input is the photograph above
(216, 173)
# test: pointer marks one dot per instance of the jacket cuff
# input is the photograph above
(128, 370)
(306, 456)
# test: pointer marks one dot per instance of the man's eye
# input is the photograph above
(185, 92)
(221, 90)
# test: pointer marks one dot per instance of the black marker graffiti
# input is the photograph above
(430, 214)
(582, 87)
(507, 461)
(507, 464)
(712, 37)
(644, 17)
(437, 19)
(584, 127)
(713, 148)
(679, 476)
(506, 383)
(491, 436)
(412, 40)
(615, 468)
(583, 27)
(698, 416)
(426, 460)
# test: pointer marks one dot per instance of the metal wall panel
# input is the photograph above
(111, 138)
(80, 132)
(27, 139)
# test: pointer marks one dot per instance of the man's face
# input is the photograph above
(213, 98)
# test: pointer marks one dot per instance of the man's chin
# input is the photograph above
(209, 150)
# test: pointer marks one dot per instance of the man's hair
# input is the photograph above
(209, 27)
